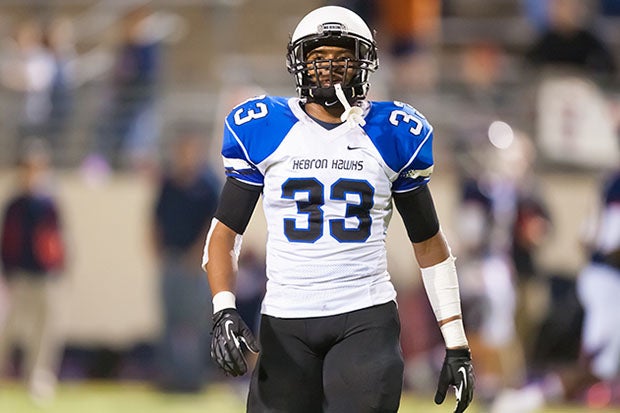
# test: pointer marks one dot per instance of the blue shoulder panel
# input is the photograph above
(259, 125)
(253, 131)
(404, 138)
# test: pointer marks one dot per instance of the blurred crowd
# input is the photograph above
(518, 88)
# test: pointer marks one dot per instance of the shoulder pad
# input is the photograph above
(248, 120)
(399, 132)
(255, 108)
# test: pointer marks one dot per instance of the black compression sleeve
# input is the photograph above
(418, 212)
(237, 202)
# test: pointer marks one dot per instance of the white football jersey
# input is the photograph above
(327, 197)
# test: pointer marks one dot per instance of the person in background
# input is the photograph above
(536, 12)
(128, 132)
(185, 204)
(27, 70)
(410, 33)
(598, 289)
(250, 292)
(501, 223)
(42, 69)
(33, 258)
(59, 43)
(250, 287)
(567, 43)
(610, 8)
(328, 164)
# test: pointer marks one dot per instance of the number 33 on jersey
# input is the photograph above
(327, 194)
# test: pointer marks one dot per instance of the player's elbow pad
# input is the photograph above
(418, 213)
(237, 203)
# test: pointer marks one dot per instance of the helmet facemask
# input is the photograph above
(352, 73)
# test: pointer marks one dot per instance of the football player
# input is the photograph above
(598, 289)
(329, 164)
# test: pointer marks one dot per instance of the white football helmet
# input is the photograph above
(332, 26)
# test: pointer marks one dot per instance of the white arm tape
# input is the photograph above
(223, 300)
(205, 252)
(453, 334)
(442, 288)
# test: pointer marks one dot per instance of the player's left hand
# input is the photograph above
(457, 371)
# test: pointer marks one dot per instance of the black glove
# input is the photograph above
(457, 371)
(229, 331)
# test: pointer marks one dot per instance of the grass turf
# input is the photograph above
(115, 397)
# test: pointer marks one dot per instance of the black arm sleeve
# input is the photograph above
(418, 212)
(237, 203)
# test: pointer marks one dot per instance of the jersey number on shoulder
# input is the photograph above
(245, 114)
(316, 199)
(400, 115)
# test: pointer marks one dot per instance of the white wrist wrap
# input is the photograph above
(454, 334)
(442, 288)
(223, 300)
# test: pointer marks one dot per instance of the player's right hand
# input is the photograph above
(229, 331)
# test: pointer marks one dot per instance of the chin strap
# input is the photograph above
(351, 114)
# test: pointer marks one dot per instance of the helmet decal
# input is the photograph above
(331, 27)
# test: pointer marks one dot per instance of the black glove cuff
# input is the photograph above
(220, 314)
(458, 352)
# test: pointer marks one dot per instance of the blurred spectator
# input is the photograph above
(58, 43)
(422, 345)
(610, 8)
(574, 69)
(537, 13)
(567, 43)
(58, 40)
(480, 98)
(128, 131)
(496, 205)
(42, 69)
(366, 9)
(249, 291)
(187, 200)
(412, 29)
(250, 287)
(484, 73)
(33, 253)
(28, 71)
(409, 34)
(598, 287)
(130, 122)
(531, 227)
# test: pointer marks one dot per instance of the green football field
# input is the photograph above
(114, 397)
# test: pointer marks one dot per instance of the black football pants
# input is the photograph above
(348, 363)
